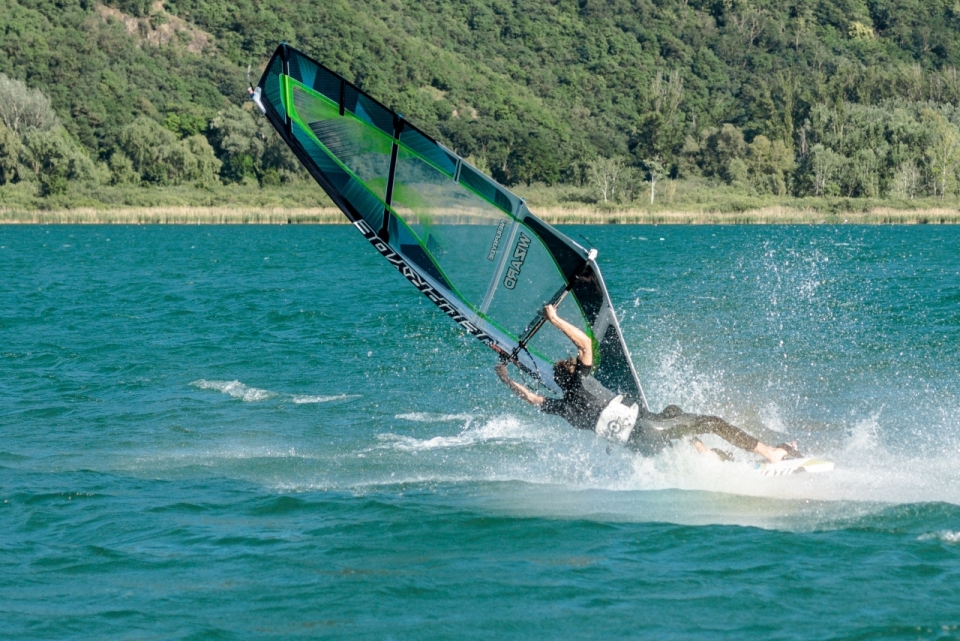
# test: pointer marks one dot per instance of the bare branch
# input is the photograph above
(22, 108)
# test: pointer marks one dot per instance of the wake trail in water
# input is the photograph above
(238, 390)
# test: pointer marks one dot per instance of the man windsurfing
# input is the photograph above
(587, 404)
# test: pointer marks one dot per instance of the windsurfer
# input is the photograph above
(587, 404)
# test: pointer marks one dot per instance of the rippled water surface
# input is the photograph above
(265, 432)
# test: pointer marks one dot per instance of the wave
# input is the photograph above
(429, 417)
(248, 394)
(946, 536)
(236, 389)
(300, 399)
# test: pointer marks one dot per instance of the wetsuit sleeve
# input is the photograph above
(551, 406)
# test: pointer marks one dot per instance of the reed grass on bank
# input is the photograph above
(689, 201)
(556, 215)
(177, 216)
(764, 216)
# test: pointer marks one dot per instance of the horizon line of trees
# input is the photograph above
(898, 149)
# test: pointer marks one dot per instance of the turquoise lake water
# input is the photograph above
(266, 432)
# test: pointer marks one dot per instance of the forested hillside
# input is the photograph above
(854, 98)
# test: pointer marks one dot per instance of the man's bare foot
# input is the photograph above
(774, 454)
(777, 455)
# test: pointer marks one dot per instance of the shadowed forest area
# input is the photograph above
(726, 105)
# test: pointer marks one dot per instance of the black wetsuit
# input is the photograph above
(674, 423)
(585, 398)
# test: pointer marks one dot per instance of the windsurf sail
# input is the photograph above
(466, 242)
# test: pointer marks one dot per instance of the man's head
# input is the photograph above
(563, 372)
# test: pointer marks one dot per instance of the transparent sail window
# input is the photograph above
(465, 235)
(365, 150)
(553, 344)
(366, 204)
(529, 281)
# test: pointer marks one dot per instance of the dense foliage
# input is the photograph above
(852, 98)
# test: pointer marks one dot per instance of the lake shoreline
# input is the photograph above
(554, 215)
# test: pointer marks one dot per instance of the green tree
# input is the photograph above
(532, 90)
(769, 163)
(186, 121)
(159, 158)
(943, 152)
(122, 171)
(239, 142)
(205, 166)
(10, 148)
(55, 160)
(723, 153)
(825, 163)
(535, 158)
(864, 169)
(149, 146)
(657, 135)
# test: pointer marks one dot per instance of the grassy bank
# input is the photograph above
(184, 215)
(683, 202)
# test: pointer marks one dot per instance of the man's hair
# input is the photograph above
(561, 373)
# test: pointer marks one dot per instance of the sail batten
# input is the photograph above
(467, 243)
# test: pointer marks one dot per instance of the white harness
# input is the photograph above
(617, 420)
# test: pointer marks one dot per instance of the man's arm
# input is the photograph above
(518, 389)
(575, 334)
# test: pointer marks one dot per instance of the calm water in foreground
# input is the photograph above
(265, 432)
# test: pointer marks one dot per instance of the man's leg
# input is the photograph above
(730, 433)
(693, 424)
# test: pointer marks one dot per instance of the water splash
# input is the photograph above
(236, 389)
(947, 536)
(494, 431)
(428, 417)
